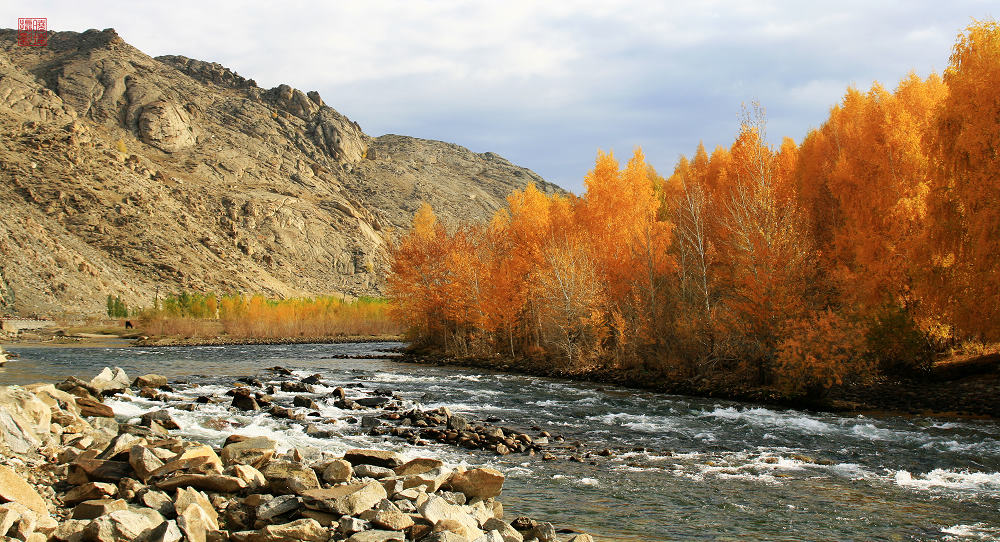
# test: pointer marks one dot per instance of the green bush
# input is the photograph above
(897, 344)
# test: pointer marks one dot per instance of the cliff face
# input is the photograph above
(125, 174)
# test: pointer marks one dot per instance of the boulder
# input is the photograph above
(338, 471)
(9, 515)
(109, 382)
(430, 481)
(482, 483)
(371, 471)
(508, 533)
(16, 433)
(437, 510)
(161, 417)
(379, 458)
(581, 538)
(255, 452)
(159, 501)
(187, 498)
(97, 508)
(118, 526)
(389, 516)
(304, 402)
(166, 531)
(70, 530)
(144, 462)
(33, 414)
(253, 477)
(88, 492)
(281, 504)
(290, 477)
(217, 483)
(120, 446)
(195, 523)
(13, 488)
(419, 465)
(243, 399)
(200, 459)
(350, 500)
(150, 381)
(444, 536)
(304, 530)
(543, 531)
(92, 407)
(458, 423)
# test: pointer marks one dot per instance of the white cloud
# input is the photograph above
(547, 84)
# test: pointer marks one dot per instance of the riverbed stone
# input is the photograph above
(349, 500)
(161, 417)
(287, 477)
(166, 531)
(9, 515)
(338, 471)
(379, 458)
(275, 507)
(256, 452)
(14, 488)
(444, 536)
(144, 462)
(371, 471)
(110, 381)
(430, 481)
(508, 533)
(89, 491)
(150, 380)
(253, 477)
(159, 501)
(70, 530)
(419, 465)
(218, 483)
(349, 525)
(304, 530)
(390, 517)
(543, 531)
(188, 497)
(581, 538)
(199, 459)
(437, 510)
(482, 483)
(98, 507)
(195, 522)
(117, 526)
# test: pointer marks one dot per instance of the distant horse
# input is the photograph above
(128, 324)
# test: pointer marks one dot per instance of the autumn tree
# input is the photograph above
(965, 208)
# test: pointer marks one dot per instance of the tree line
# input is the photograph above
(863, 250)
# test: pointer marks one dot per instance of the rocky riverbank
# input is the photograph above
(71, 472)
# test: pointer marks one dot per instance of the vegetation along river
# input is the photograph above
(681, 468)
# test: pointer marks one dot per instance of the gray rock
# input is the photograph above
(279, 505)
(348, 500)
(371, 471)
(349, 525)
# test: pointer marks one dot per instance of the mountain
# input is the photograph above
(130, 175)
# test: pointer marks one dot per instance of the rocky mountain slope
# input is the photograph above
(130, 175)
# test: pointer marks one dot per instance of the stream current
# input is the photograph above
(683, 468)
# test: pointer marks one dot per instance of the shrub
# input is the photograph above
(819, 352)
(896, 343)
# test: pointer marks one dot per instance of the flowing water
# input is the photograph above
(684, 469)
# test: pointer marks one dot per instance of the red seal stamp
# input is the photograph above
(32, 32)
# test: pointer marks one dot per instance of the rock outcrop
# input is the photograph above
(124, 174)
(83, 482)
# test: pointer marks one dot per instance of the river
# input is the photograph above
(683, 468)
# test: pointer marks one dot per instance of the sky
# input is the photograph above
(548, 84)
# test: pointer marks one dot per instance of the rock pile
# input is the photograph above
(69, 472)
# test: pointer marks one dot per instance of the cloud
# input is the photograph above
(547, 84)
